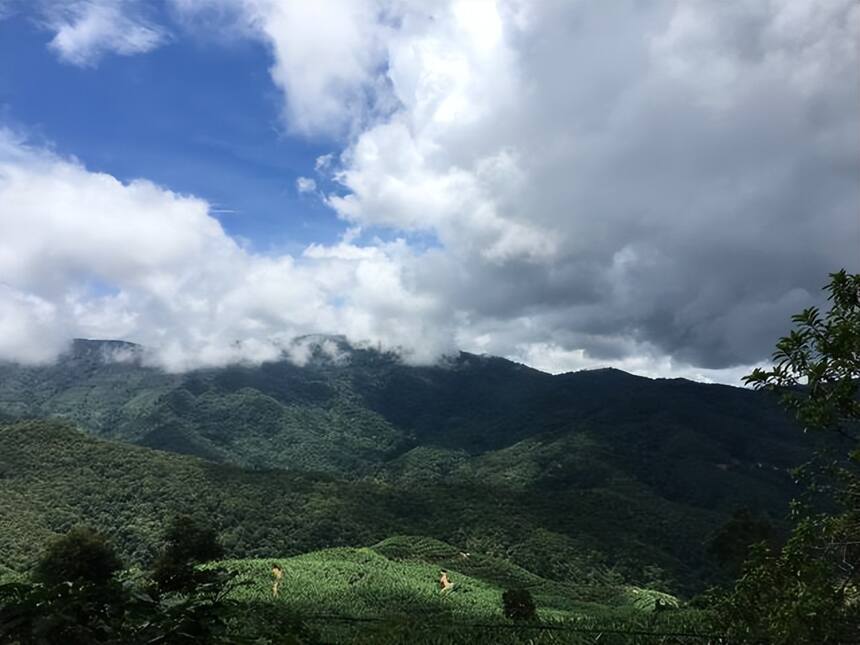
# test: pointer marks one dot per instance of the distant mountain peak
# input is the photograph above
(107, 351)
(603, 372)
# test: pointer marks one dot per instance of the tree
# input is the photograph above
(75, 597)
(82, 555)
(817, 366)
(807, 591)
(730, 545)
(187, 545)
(518, 604)
(191, 541)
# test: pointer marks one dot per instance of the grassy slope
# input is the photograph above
(398, 577)
(364, 582)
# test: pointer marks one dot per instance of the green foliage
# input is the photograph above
(188, 544)
(365, 582)
(389, 591)
(353, 595)
(807, 591)
(518, 604)
(69, 608)
(622, 530)
(793, 595)
(189, 541)
(822, 354)
(80, 556)
(730, 545)
(63, 477)
(66, 613)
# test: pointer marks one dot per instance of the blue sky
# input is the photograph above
(194, 116)
(570, 185)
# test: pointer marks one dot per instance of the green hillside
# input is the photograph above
(366, 414)
(588, 477)
(292, 419)
(397, 579)
(353, 414)
(53, 477)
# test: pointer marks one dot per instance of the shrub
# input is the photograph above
(518, 604)
(187, 545)
(82, 555)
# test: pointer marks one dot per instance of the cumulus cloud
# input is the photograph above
(687, 188)
(655, 186)
(681, 174)
(83, 254)
(87, 30)
(28, 330)
(329, 57)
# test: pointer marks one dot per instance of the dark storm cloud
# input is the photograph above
(698, 165)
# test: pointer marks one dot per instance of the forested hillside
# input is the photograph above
(349, 411)
(591, 477)
(54, 478)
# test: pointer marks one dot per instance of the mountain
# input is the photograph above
(584, 475)
(365, 413)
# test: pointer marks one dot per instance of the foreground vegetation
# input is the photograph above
(807, 590)
(77, 593)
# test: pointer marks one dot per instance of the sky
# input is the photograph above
(655, 186)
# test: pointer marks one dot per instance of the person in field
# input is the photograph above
(277, 576)
(445, 584)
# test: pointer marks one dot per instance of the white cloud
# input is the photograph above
(86, 30)
(657, 187)
(642, 361)
(682, 175)
(305, 185)
(29, 329)
(323, 162)
(83, 254)
(328, 56)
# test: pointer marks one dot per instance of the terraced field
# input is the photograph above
(343, 590)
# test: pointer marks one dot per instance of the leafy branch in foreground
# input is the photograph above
(76, 596)
(809, 590)
(817, 366)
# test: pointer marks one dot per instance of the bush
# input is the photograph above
(78, 600)
(518, 604)
(188, 544)
(82, 555)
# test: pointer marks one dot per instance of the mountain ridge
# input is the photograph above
(103, 347)
(544, 469)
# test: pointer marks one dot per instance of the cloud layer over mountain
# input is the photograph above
(657, 186)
